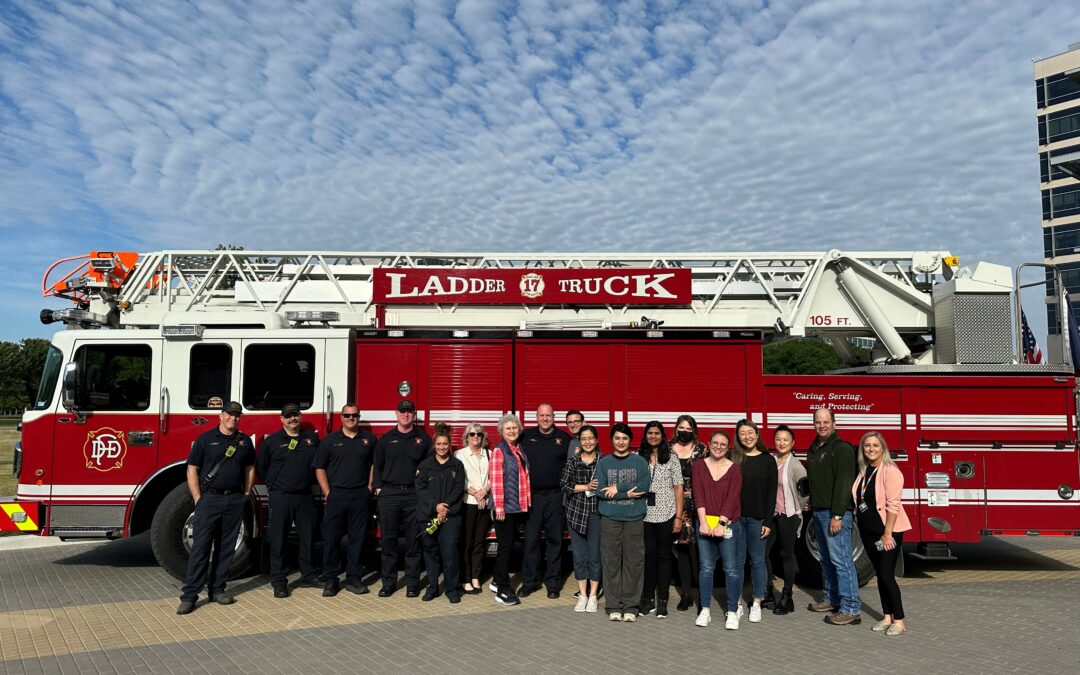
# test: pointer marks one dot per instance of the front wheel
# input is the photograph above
(809, 557)
(171, 534)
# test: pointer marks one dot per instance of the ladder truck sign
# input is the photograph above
(532, 286)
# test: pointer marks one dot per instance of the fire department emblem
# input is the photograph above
(532, 285)
(105, 449)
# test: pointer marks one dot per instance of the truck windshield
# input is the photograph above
(49, 376)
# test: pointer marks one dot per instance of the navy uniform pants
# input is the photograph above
(545, 514)
(397, 519)
(285, 509)
(346, 513)
(215, 528)
(441, 551)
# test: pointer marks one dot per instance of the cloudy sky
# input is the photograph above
(485, 125)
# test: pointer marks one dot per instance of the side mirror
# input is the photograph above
(68, 386)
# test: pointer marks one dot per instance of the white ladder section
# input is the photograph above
(830, 294)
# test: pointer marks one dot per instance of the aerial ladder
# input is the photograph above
(910, 302)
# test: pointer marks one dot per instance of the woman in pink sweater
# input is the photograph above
(882, 523)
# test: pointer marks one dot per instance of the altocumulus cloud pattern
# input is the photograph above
(577, 125)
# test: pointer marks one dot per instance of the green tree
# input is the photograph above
(801, 357)
(20, 370)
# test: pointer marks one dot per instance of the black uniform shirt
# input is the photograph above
(284, 461)
(212, 446)
(347, 461)
(547, 454)
(397, 455)
(439, 484)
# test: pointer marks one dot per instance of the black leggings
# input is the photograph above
(785, 531)
(885, 567)
(657, 561)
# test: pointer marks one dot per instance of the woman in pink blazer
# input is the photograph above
(882, 523)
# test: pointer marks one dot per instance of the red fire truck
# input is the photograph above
(156, 341)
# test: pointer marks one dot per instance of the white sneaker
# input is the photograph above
(591, 606)
(581, 604)
(742, 610)
(493, 588)
(755, 613)
(704, 618)
(732, 622)
(615, 616)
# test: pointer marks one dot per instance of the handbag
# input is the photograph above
(802, 486)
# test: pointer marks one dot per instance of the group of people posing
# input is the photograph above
(631, 513)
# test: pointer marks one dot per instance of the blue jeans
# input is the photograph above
(755, 548)
(837, 566)
(709, 549)
(586, 550)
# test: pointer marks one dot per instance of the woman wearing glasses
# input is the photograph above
(511, 499)
(475, 455)
(758, 501)
(687, 448)
(578, 483)
(717, 484)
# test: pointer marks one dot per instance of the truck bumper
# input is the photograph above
(16, 516)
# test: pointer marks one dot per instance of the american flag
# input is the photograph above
(1032, 353)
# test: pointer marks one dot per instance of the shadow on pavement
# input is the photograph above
(132, 552)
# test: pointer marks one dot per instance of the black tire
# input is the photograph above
(168, 542)
(809, 560)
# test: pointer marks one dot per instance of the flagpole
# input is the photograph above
(1018, 310)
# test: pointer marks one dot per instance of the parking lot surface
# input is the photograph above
(1006, 605)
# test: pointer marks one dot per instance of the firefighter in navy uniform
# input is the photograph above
(343, 469)
(440, 493)
(397, 456)
(220, 473)
(284, 464)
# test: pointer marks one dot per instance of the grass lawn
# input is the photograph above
(8, 436)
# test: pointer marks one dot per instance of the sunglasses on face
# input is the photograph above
(350, 416)
(291, 417)
(475, 434)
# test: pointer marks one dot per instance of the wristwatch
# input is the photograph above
(837, 517)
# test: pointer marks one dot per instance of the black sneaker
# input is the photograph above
(186, 607)
(661, 609)
(684, 603)
(330, 589)
(223, 599)
(357, 587)
(646, 608)
(506, 598)
(281, 592)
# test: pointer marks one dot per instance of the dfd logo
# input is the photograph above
(105, 449)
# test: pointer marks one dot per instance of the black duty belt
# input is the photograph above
(216, 491)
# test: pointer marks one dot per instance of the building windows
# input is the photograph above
(1061, 88)
(1049, 173)
(1061, 202)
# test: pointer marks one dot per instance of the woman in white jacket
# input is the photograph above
(787, 517)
